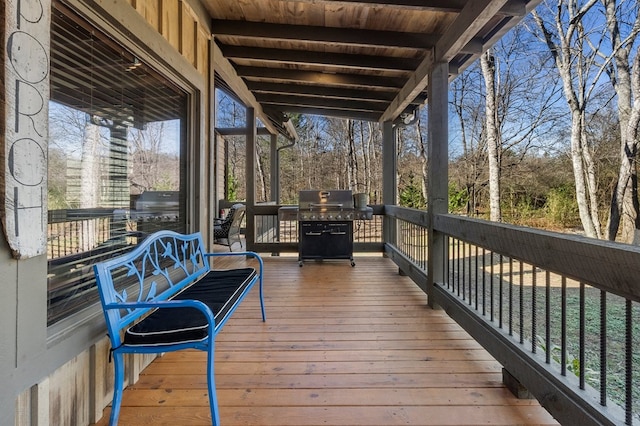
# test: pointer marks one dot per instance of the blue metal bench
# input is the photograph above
(165, 296)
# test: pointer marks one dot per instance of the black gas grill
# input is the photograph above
(325, 225)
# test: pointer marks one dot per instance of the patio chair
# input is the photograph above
(226, 230)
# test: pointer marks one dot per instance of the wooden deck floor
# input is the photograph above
(341, 346)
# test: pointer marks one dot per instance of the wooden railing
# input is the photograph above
(560, 312)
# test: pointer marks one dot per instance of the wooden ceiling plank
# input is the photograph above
(433, 5)
(313, 34)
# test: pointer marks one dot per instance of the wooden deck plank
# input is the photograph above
(340, 416)
(287, 355)
(332, 397)
(341, 346)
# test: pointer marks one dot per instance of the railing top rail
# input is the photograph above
(607, 265)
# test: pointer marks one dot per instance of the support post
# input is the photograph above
(275, 170)
(389, 178)
(250, 147)
(438, 172)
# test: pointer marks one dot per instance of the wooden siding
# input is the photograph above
(180, 26)
(171, 22)
(341, 345)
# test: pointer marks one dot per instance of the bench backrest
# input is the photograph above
(162, 265)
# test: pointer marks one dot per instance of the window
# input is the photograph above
(117, 161)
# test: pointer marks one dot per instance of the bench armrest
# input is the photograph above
(240, 253)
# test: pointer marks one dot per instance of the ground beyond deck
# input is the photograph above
(341, 346)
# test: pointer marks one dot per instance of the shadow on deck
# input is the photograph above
(341, 346)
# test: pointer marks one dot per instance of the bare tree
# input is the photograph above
(352, 162)
(263, 182)
(564, 34)
(466, 104)
(422, 144)
(488, 66)
(625, 78)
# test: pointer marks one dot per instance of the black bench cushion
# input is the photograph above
(217, 289)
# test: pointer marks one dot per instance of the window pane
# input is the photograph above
(116, 157)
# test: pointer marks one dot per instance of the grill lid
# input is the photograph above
(334, 204)
(332, 200)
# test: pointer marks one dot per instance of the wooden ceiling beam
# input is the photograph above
(468, 23)
(338, 113)
(313, 34)
(324, 59)
(321, 91)
(289, 89)
(310, 101)
(327, 79)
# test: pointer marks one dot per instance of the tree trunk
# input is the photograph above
(567, 54)
(577, 152)
(262, 178)
(423, 159)
(624, 201)
(487, 64)
(352, 165)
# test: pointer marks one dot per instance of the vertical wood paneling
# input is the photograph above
(189, 33)
(151, 13)
(23, 408)
(180, 26)
(101, 379)
(138, 5)
(78, 392)
(40, 401)
(69, 391)
(170, 22)
(202, 63)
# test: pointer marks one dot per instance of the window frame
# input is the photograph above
(127, 28)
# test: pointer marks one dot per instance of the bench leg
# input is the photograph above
(211, 383)
(264, 315)
(118, 385)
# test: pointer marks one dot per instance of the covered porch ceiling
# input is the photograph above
(359, 59)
